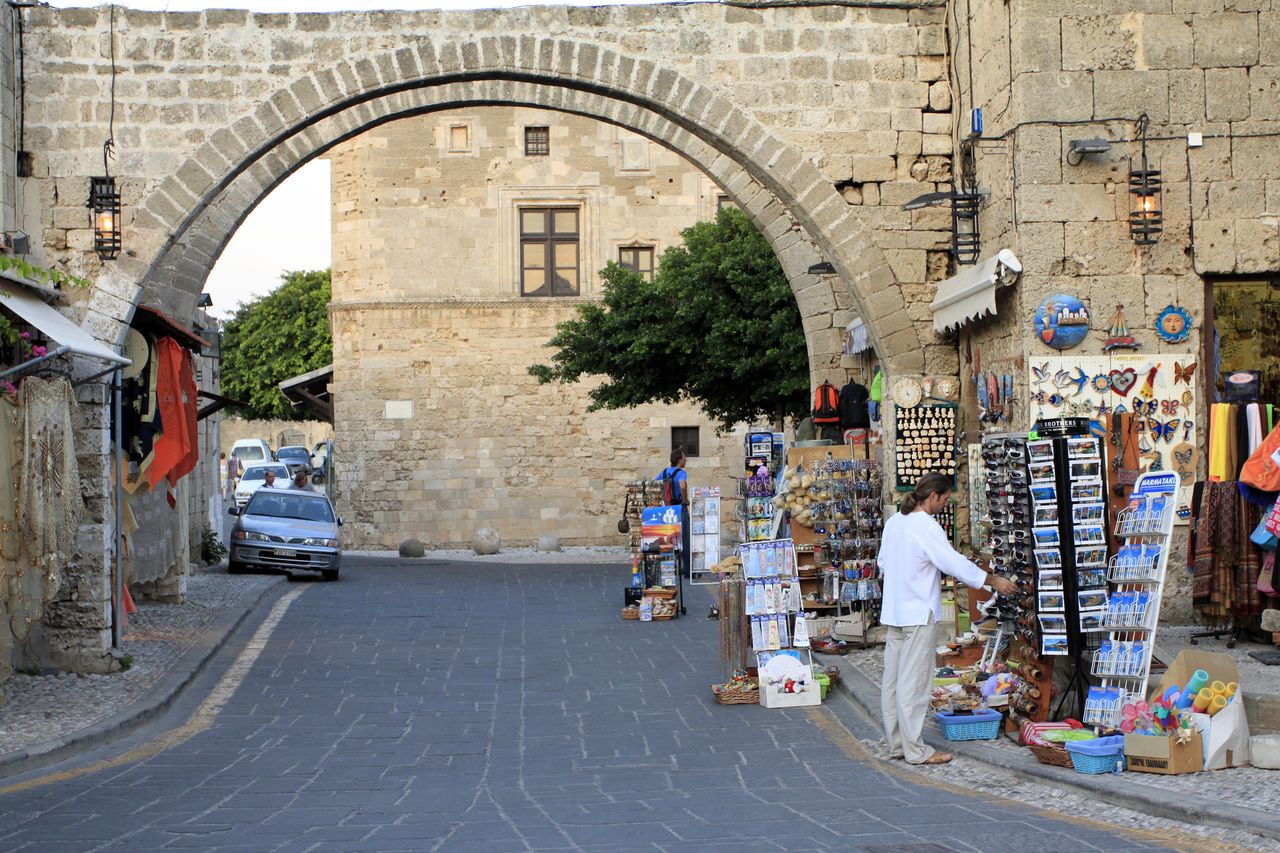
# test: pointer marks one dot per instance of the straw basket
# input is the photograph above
(1055, 755)
(737, 694)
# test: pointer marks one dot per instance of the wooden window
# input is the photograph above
(459, 137)
(638, 259)
(686, 437)
(537, 141)
(549, 251)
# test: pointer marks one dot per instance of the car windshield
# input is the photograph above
(251, 454)
(289, 505)
(261, 473)
(298, 452)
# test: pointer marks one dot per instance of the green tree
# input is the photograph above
(276, 337)
(718, 325)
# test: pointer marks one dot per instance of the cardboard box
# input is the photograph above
(1225, 735)
(1163, 754)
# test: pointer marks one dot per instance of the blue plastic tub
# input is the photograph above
(1101, 755)
(980, 725)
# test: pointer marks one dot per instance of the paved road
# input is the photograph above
(475, 707)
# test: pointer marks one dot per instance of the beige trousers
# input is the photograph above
(904, 695)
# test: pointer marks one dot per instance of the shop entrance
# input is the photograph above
(1243, 331)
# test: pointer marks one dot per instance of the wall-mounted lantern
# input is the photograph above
(1146, 219)
(104, 216)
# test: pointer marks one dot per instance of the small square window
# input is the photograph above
(686, 437)
(459, 137)
(537, 141)
(638, 259)
(723, 201)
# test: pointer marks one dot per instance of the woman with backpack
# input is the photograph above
(675, 492)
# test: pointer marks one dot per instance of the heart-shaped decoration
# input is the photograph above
(1122, 381)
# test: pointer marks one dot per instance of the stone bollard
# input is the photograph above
(548, 543)
(486, 541)
(412, 548)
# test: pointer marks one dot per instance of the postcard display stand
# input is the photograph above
(1069, 538)
(772, 605)
(655, 565)
(756, 492)
(1009, 510)
(1122, 662)
(704, 533)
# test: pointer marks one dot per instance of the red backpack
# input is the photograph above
(826, 404)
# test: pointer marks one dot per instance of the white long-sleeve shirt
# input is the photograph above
(914, 552)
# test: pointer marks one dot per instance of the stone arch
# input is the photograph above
(183, 225)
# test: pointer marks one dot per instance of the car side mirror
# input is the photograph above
(233, 510)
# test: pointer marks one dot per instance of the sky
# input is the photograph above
(289, 229)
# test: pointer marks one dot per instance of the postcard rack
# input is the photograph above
(1122, 662)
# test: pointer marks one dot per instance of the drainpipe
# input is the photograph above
(117, 592)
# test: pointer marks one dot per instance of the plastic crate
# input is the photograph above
(1101, 755)
(980, 725)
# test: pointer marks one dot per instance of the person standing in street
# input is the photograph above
(268, 480)
(301, 482)
(676, 493)
(231, 474)
(914, 553)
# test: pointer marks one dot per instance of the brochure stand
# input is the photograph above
(704, 524)
(772, 602)
(1136, 572)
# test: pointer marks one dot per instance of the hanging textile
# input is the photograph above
(12, 600)
(49, 500)
(151, 524)
(1225, 563)
(173, 445)
(190, 414)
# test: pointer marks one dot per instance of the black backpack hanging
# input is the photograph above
(853, 407)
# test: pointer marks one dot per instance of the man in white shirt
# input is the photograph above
(914, 552)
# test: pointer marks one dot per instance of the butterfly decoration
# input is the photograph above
(1040, 373)
(1184, 374)
(1080, 407)
(1183, 457)
(1163, 430)
(1145, 407)
(1169, 407)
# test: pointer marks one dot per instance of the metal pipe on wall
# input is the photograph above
(117, 459)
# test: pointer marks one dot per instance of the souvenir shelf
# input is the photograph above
(772, 591)
(1122, 662)
(926, 441)
(704, 524)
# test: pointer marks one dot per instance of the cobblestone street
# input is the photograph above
(467, 706)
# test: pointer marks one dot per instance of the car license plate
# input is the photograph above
(286, 552)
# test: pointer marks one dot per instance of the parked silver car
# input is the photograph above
(286, 529)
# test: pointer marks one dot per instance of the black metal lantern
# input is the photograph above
(104, 213)
(1146, 219)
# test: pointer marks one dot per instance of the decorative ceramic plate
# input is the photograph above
(907, 393)
(1062, 321)
(1173, 324)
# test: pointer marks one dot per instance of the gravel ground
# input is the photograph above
(524, 556)
(1251, 787)
(37, 708)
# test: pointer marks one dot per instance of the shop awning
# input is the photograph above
(971, 293)
(311, 391)
(159, 323)
(54, 325)
(856, 338)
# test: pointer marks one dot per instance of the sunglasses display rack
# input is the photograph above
(925, 442)
(1008, 520)
(1122, 662)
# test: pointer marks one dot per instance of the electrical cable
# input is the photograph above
(108, 147)
(854, 4)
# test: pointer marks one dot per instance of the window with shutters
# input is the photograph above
(549, 239)
(686, 437)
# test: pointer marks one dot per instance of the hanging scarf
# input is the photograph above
(1225, 563)
(49, 500)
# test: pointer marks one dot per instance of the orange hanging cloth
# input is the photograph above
(173, 444)
(187, 382)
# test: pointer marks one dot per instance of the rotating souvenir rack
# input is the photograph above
(756, 489)
(1122, 662)
(925, 442)
(704, 531)
(1008, 519)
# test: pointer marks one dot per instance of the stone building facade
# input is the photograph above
(436, 319)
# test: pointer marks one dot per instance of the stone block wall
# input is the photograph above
(474, 441)
(233, 429)
(1191, 67)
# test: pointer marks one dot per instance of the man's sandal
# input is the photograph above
(938, 758)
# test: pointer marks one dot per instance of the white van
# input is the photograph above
(250, 450)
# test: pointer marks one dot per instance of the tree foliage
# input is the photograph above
(718, 325)
(274, 338)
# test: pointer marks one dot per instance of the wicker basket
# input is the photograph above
(660, 593)
(1055, 755)
(668, 616)
(738, 694)
(631, 613)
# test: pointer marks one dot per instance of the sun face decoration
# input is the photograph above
(1173, 324)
